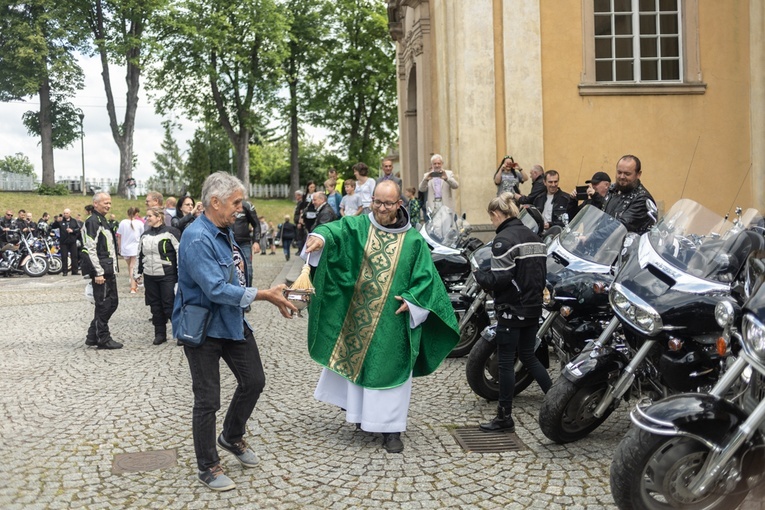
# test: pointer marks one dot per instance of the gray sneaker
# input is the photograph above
(215, 479)
(243, 453)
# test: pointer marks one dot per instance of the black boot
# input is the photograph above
(160, 334)
(503, 422)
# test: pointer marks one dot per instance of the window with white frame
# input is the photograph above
(637, 40)
(641, 47)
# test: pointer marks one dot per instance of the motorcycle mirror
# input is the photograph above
(653, 211)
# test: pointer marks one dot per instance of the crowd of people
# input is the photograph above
(380, 315)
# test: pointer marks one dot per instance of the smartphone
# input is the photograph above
(581, 192)
(436, 174)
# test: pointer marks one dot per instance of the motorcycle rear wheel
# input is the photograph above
(566, 412)
(482, 371)
(469, 335)
(651, 472)
(54, 265)
(35, 266)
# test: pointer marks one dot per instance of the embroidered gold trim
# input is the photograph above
(378, 267)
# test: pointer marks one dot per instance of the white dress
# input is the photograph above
(129, 232)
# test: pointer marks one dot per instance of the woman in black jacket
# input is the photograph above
(185, 213)
(158, 263)
(517, 277)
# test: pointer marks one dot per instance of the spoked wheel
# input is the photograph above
(54, 265)
(566, 412)
(651, 472)
(35, 266)
(469, 334)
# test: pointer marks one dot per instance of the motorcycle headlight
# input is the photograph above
(754, 337)
(620, 301)
(724, 313)
(647, 320)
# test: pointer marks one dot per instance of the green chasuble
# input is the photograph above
(352, 327)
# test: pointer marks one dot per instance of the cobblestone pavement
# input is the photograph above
(67, 410)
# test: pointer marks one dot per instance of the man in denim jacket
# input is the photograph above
(212, 273)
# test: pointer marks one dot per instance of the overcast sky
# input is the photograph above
(101, 155)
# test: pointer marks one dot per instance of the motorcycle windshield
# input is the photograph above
(528, 220)
(444, 227)
(702, 243)
(594, 236)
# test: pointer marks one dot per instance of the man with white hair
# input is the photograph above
(212, 274)
(438, 183)
(100, 262)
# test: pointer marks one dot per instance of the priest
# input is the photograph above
(380, 316)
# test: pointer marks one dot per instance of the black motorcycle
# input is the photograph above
(663, 338)
(448, 236)
(580, 266)
(16, 256)
(703, 450)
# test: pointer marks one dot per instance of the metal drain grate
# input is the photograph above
(473, 439)
(143, 461)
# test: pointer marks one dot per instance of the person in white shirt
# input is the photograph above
(128, 236)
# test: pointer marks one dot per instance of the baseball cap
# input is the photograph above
(598, 178)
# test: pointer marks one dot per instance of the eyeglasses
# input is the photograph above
(384, 205)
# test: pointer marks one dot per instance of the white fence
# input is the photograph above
(17, 182)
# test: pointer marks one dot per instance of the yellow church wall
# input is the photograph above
(691, 146)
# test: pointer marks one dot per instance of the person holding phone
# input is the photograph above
(509, 176)
(438, 183)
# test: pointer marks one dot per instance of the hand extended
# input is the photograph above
(313, 243)
(404, 307)
(275, 296)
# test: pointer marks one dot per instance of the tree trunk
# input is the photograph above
(46, 135)
(242, 149)
(294, 140)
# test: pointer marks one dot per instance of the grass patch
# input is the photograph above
(273, 209)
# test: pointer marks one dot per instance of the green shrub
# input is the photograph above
(58, 189)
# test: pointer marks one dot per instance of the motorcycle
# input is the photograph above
(18, 258)
(662, 338)
(449, 239)
(48, 247)
(703, 450)
(580, 263)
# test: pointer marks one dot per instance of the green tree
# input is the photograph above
(222, 59)
(37, 41)
(64, 119)
(355, 97)
(120, 35)
(168, 164)
(208, 153)
(17, 164)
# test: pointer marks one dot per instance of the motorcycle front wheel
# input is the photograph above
(651, 472)
(54, 265)
(469, 334)
(566, 412)
(35, 266)
(482, 371)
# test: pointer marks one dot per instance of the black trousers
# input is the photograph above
(243, 359)
(509, 339)
(69, 250)
(107, 301)
(160, 294)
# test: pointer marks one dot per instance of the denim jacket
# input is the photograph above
(207, 277)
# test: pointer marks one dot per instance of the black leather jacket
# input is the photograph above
(561, 204)
(517, 274)
(630, 207)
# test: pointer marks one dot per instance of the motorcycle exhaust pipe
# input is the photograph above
(625, 381)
